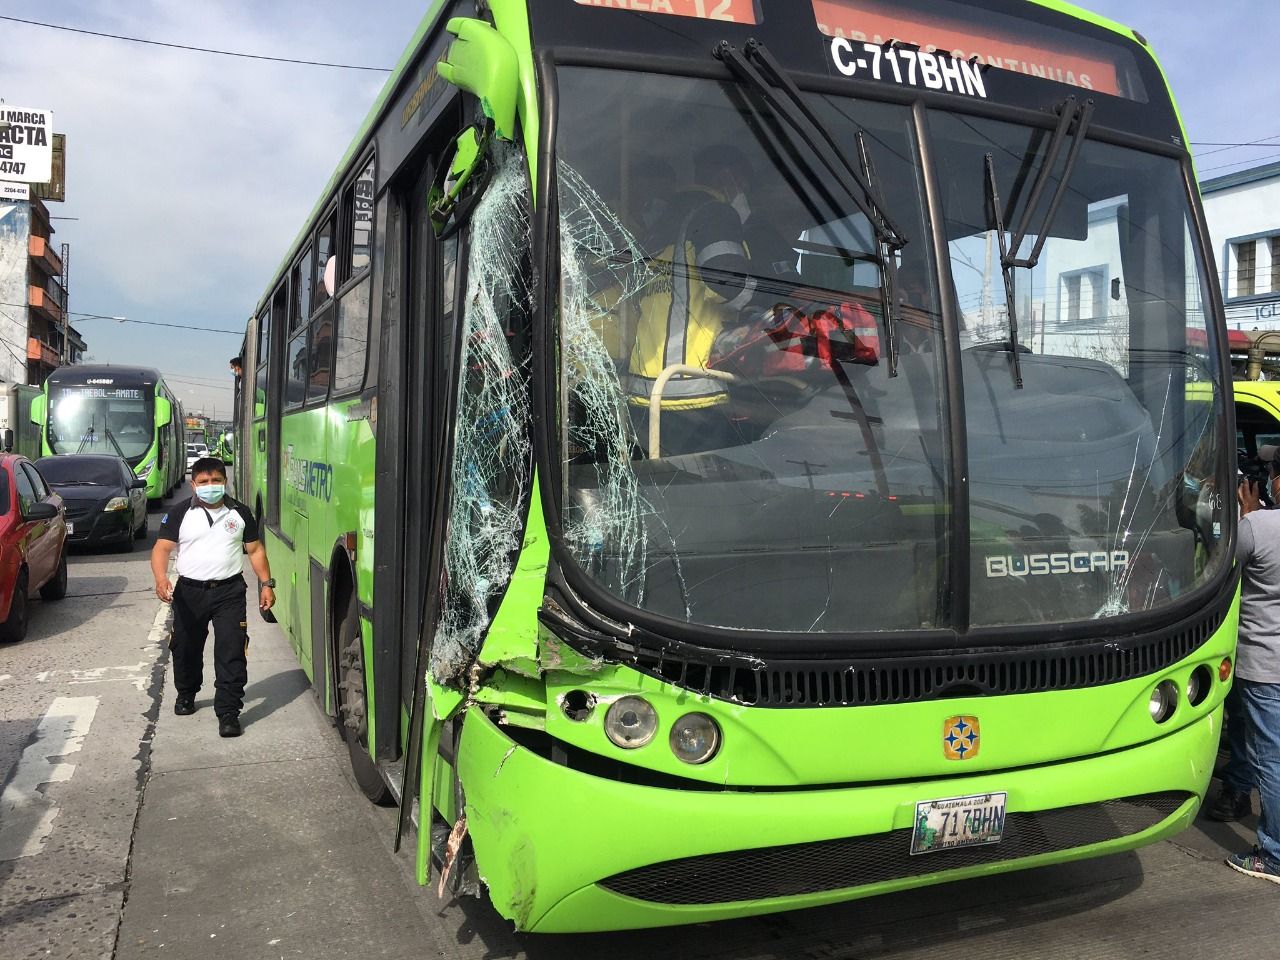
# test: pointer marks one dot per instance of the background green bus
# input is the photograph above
(128, 411)
(932, 581)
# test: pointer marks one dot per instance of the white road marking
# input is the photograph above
(26, 812)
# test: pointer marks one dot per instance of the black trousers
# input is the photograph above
(195, 606)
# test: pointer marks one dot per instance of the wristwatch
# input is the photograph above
(270, 582)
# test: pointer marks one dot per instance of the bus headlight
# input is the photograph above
(1198, 685)
(1164, 700)
(116, 504)
(144, 471)
(631, 722)
(695, 738)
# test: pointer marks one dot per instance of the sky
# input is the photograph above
(188, 174)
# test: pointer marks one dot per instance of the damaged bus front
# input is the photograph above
(888, 548)
(788, 486)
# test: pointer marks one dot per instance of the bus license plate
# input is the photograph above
(958, 822)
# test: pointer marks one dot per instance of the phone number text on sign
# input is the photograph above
(917, 68)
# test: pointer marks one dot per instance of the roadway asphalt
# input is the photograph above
(129, 832)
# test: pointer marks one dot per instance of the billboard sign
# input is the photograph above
(56, 187)
(14, 191)
(26, 144)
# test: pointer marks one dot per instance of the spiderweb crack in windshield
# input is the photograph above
(492, 449)
(603, 271)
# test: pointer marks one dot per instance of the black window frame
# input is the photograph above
(18, 476)
(349, 278)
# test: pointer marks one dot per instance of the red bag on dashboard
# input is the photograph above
(787, 341)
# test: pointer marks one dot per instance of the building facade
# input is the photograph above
(35, 335)
(1243, 213)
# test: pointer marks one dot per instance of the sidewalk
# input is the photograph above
(258, 846)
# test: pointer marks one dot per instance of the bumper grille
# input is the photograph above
(806, 868)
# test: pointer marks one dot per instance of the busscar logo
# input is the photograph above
(1057, 564)
(961, 738)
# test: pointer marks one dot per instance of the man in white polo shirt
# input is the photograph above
(211, 532)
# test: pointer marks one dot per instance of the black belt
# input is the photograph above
(210, 584)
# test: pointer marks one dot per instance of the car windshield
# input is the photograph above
(748, 444)
(69, 470)
(92, 420)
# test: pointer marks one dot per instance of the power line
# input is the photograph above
(145, 323)
(183, 46)
(1236, 163)
(1223, 146)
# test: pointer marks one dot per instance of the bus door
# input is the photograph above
(422, 336)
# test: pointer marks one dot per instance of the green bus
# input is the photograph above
(128, 411)
(721, 457)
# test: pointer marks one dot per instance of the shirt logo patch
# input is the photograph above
(231, 525)
(165, 518)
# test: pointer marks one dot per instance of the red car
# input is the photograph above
(33, 543)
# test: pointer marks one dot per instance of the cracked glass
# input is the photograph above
(1093, 489)
(736, 450)
(492, 458)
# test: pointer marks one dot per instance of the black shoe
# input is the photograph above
(184, 705)
(1229, 805)
(229, 726)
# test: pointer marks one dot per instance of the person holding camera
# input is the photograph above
(1256, 690)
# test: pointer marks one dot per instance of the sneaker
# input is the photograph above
(229, 726)
(184, 705)
(1229, 805)
(1254, 865)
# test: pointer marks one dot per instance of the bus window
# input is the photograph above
(295, 393)
(260, 365)
(321, 357)
(353, 338)
(358, 216)
(324, 251)
(302, 292)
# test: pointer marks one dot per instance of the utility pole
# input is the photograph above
(66, 305)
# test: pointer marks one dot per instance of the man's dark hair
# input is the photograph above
(237, 361)
(208, 465)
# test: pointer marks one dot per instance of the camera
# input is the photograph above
(1259, 471)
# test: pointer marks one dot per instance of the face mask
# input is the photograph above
(212, 493)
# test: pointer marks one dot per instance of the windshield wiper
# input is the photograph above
(111, 437)
(757, 67)
(1009, 259)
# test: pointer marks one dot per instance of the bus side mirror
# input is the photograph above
(38, 408)
(482, 62)
(8, 440)
(164, 411)
(459, 184)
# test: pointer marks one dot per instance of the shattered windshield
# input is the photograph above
(1093, 487)
(737, 452)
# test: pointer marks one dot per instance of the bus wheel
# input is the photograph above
(353, 718)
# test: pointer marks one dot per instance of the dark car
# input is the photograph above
(106, 502)
(33, 554)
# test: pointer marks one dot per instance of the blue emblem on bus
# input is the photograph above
(960, 738)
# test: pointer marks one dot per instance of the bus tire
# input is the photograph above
(353, 722)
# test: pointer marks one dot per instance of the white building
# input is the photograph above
(1243, 213)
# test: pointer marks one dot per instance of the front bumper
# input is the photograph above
(100, 527)
(548, 838)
